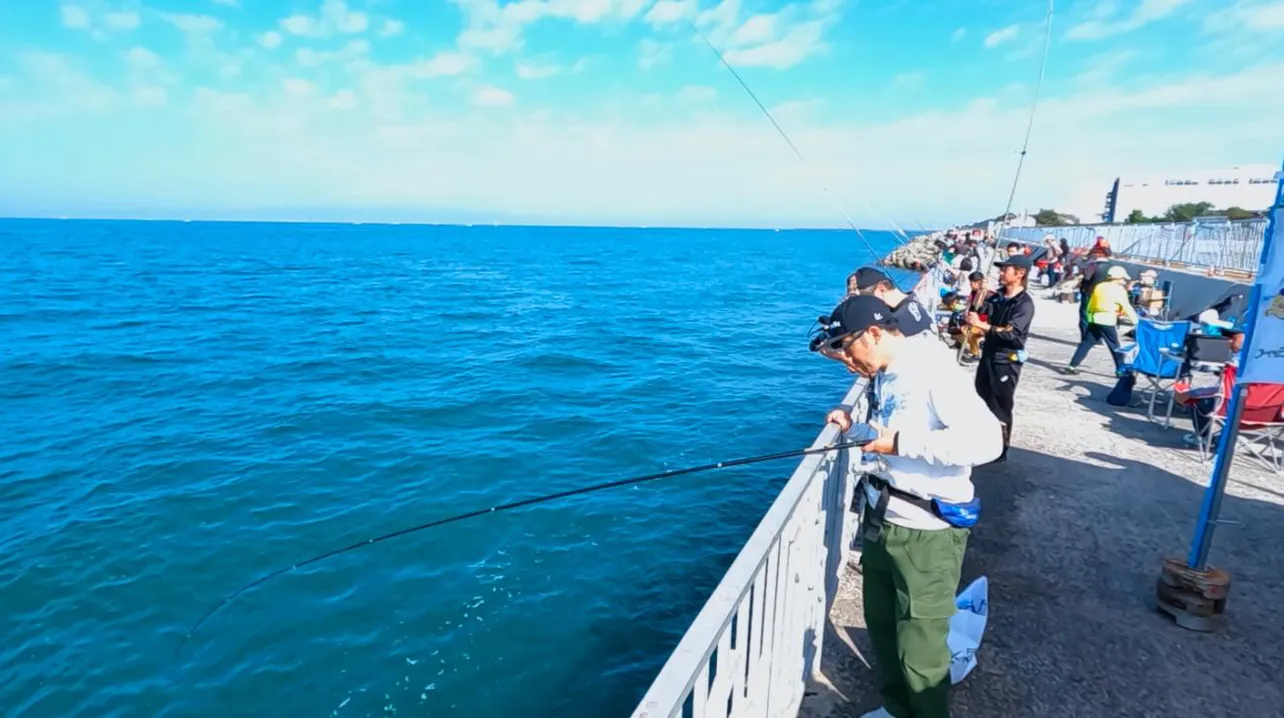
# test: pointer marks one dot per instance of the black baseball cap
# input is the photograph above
(1020, 261)
(869, 277)
(856, 314)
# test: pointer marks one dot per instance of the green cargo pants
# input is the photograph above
(910, 580)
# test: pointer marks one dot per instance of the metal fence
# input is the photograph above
(757, 641)
(752, 648)
(1217, 243)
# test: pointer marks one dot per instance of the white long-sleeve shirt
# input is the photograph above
(945, 429)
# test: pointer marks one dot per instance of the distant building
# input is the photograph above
(1250, 187)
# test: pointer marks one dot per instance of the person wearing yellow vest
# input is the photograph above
(1109, 302)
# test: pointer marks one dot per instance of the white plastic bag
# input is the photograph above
(967, 626)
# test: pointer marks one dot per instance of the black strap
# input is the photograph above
(886, 491)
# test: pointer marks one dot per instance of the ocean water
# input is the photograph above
(188, 406)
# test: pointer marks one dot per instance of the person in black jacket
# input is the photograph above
(1006, 325)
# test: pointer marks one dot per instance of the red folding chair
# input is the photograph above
(1261, 424)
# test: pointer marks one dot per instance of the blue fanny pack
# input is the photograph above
(962, 516)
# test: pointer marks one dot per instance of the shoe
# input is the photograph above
(880, 713)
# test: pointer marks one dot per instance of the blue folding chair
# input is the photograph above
(1158, 357)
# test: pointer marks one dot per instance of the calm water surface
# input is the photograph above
(189, 406)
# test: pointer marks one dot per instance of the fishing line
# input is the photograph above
(1029, 129)
(784, 135)
(861, 440)
(973, 303)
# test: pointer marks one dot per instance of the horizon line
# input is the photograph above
(426, 223)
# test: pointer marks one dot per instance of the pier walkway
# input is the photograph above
(1072, 532)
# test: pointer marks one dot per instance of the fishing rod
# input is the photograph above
(1029, 129)
(857, 438)
(901, 239)
(974, 303)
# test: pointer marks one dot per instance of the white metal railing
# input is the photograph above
(757, 640)
(1209, 242)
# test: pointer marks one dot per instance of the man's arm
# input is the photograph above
(971, 434)
(1018, 327)
(1126, 308)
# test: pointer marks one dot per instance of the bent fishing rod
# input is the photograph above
(857, 438)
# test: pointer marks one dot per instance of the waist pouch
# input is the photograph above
(960, 516)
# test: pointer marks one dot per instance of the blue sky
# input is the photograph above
(614, 111)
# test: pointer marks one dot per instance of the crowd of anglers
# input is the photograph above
(934, 423)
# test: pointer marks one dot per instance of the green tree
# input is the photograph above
(1137, 217)
(1240, 213)
(1053, 218)
(1187, 211)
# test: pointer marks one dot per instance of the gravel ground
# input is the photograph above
(1072, 533)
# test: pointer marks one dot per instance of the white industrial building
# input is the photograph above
(1250, 187)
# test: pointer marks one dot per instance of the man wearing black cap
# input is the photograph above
(910, 314)
(1008, 314)
(931, 430)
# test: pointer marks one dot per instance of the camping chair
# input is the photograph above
(1261, 425)
(1159, 368)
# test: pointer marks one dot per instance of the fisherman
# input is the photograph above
(909, 312)
(1095, 266)
(1109, 302)
(931, 429)
(1006, 326)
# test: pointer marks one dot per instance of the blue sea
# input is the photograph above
(188, 406)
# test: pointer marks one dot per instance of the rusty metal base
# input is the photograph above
(1195, 599)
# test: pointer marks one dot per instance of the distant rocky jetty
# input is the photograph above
(918, 254)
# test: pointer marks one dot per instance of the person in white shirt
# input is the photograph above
(932, 429)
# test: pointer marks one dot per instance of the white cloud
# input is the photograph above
(270, 39)
(60, 87)
(342, 100)
(906, 81)
(697, 94)
(372, 145)
(499, 39)
(1104, 24)
(391, 27)
(297, 86)
(123, 20)
(443, 64)
(490, 96)
(1247, 16)
(140, 58)
(668, 12)
(299, 25)
(1103, 67)
(756, 30)
(1003, 35)
(149, 96)
(1082, 140)
(652, 53)
(801, 42)
(193, 24)
(74, 17)
(529, 71)
(777, 40)
(354, 50)
(334, 18)
(498, 28)
(958, 34)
